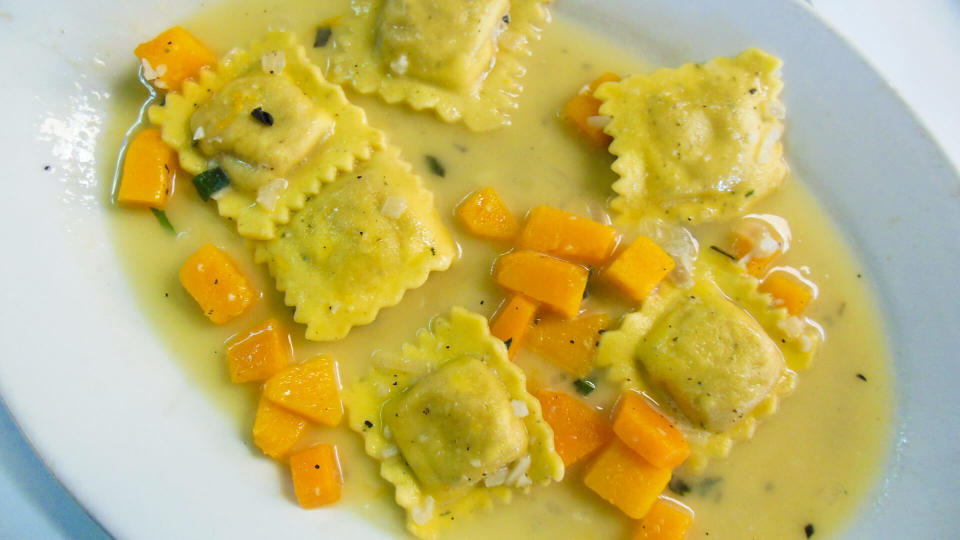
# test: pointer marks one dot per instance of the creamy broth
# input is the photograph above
(812, 462)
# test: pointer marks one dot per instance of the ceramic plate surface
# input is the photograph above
(139, 445)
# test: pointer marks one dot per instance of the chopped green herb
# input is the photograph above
(164, 222)
(322, 37)
(210, 181)
(435, 166)
(749, 193)
(808, 529)
(584, 386)
(862, 377)
(724, 253)
(707, 485)
(678, 485)
(262, 116)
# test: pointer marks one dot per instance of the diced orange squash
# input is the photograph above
(260, 353)
(638, 270)
(625, 479)
(569, 343)
(747, 234)
(556, 284)
(755, 266)
(311, 389)
(788, 291)
(213, 279)
(584, 106)
(483, 214)
(149, 169)
(317, 478)
(666, 520)
(649, 433)
(174, 56)
(578, 430)
(512, 321)
(276, 430)
(567, 236)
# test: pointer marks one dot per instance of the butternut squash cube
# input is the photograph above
(213, 279)
(567, 236)
(570, 344)
(311, 389)
(579, 111)
(788, 291)
(556, 284)
(173, 57)
(626, 480)
(512, 321)
(666, 520)
(149, 169)
(638, 270)
(649, 433)
(260, 353)
(276, 430)
(317, 478)
(578, 430)
(483, 214)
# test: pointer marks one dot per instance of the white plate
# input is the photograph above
(129, 435)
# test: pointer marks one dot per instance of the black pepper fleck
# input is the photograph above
(808, 529)
(368, 423)
(262, 116)
(862, 377)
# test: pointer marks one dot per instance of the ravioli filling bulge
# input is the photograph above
(697, 143)
(357, 246)
(456, 426)
(251, 151)
(715, 360)
(461, 44)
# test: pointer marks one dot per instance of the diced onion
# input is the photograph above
(520, 408)
(273, 62)
(600, 121)
(394, 207)
(269, 194)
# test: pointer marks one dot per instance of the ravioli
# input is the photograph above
(697, 143)
(356, 246)
(309, 134)
(451, 421)
(717, 355)
(462, 59)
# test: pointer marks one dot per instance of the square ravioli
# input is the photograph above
(697, 143)
(451, 421)
(462, 59)
(270, 120)
(456, 426)
(357, 246)
(714, 359)
(716, 356)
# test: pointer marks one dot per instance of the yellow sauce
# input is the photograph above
(813, 462)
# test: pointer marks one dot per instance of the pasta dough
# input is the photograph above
(356, 247)
(452, 423)
(462, 59)
(697, 143)
(718, 355)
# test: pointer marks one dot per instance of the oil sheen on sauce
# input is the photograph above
(814, 462)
